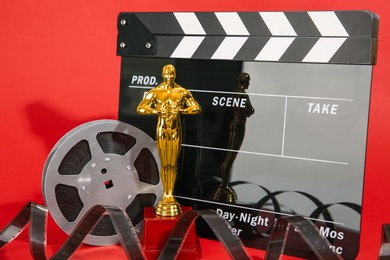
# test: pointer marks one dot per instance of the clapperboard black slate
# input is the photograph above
(302, 148)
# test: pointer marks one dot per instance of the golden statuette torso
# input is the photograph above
(168, 101)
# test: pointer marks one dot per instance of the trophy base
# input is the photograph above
(156, 232)
(172, 209)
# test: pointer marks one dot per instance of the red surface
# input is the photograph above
(156, 231)
(211, 250)
(58, 69)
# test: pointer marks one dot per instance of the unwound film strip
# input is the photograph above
(37, 216)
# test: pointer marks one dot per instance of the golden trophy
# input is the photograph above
(168, 101)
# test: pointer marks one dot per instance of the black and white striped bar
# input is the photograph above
(348, 37)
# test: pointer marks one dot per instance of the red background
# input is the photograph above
(58, 69)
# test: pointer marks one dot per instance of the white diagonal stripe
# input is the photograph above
(328, 24)
(229, 48)
(190, 23)
(324, 49)
(187, 47)
(274, 48)
(278, 23)
(232, 23)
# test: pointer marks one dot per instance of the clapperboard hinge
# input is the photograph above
(134, 38)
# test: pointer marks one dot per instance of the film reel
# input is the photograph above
(103, 162)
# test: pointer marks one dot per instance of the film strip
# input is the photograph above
(36, 215)
(307, 37)
(384, 253)
(307, 230)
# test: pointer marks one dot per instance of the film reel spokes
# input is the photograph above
(103, 162)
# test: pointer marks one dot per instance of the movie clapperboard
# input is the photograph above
(292, 142)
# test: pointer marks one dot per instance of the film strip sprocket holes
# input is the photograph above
(344, 37)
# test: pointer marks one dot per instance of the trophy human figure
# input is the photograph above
(225, 193)
(168, 101)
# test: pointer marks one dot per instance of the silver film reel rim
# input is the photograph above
(120, 170)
